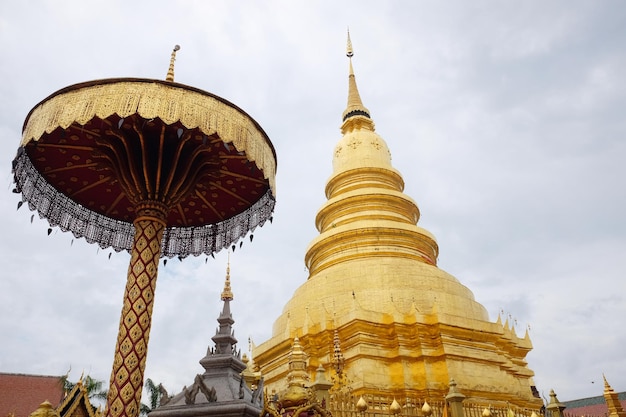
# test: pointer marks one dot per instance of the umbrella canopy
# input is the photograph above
(92, 153)
(153, 167)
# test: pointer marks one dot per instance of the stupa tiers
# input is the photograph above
(153, 167)
(406, 327)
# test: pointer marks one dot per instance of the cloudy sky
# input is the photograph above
(506, 119)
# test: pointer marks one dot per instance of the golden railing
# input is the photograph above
(345, 405)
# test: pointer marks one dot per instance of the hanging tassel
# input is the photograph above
(233, 248)
(241, 244)
(72, 242)
(251, 237)
(212, 255)
(32, 217)
(49, 231)
(164, 262)
(110, 253)
(19, 204)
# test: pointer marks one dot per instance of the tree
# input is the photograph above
(154, 396)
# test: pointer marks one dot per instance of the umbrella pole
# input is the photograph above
(126, 384)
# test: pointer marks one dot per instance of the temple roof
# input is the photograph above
(76, 403)
(21, 394)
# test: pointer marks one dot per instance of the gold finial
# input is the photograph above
(349, 51)
(427, 409)
(395, 407)
(350, 54)
(227, 294)
(170, 71)
(361, 405)
(355, 105)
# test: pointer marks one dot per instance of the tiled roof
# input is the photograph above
(21, 394)
(593, 406)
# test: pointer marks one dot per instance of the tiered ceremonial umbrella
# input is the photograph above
(154, 167)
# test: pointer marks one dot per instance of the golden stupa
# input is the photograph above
(406, 327)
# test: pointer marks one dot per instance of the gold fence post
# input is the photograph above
(554, 408)
(455, 399)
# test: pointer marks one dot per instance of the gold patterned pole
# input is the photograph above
(126, 382)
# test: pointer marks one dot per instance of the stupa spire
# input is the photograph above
(227, 293)
(355, 107)
(366, 202)
(297, 375)
(222, 388)
(338, 360)
(224, 338)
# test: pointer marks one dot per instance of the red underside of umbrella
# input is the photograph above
(109, 165)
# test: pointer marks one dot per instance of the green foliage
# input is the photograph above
(97, 394)
(95, 388)
(154, 396)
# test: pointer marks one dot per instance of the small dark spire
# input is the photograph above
(224, 338)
